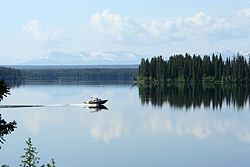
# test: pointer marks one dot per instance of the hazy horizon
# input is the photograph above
(32, 30)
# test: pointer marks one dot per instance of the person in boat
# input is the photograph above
(97, 99)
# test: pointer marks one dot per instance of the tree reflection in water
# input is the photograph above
(194, 95)
(5, 127)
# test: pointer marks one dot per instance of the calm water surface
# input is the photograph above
(140, 127)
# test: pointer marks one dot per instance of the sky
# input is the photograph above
(33, 29)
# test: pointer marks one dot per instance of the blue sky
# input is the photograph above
(32, 29)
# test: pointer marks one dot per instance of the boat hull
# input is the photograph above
(96, 102)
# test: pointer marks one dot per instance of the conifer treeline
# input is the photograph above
(10, 74)
(85, 74)
(184, 68)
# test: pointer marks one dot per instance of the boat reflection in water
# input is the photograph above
(96, 108)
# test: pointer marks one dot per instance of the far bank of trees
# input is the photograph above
(11, 74)
(81, 74)
(186, 68)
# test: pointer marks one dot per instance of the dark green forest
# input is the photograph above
(83, 74)
(185, 68)
(10, 74)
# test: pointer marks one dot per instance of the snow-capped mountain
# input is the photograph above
(108, 58)
(227, 53)
(56, 58)
(84, 58)
(246, 54)
(121, 57)
(224, 53)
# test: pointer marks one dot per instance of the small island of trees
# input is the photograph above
(194, 69)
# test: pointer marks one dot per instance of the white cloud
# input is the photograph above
(200, 19)
(41, 35)
(107, 30)
(107, 131)
(124, 29)
(31, 25)
(244, 12)
(201, 26)
(118, 125)
(34, 121)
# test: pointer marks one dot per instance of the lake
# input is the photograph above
(176, 125)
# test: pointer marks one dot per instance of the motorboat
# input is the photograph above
(96, 101)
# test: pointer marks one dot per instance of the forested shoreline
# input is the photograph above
(194, 69)
(177, 69)
(11, 74)
(84, 74)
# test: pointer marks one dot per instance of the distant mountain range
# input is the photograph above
(84, 58)
(106, 58)
(228, 53)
